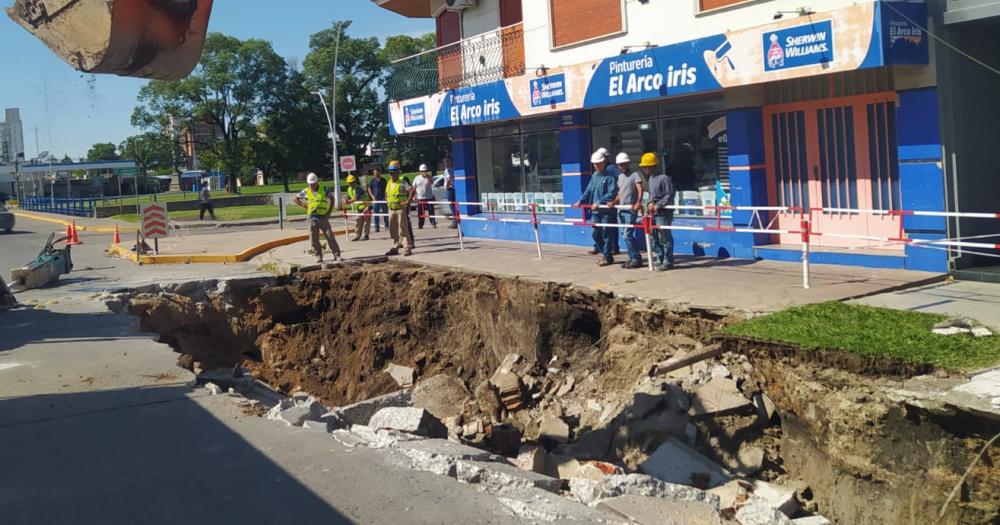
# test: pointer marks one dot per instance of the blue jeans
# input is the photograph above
(603, 235)
(663, 240)
(632, 235)
(380, 208)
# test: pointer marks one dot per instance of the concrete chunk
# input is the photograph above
(531, 458)
(488, 399)
(554, 428)
(360, 413)
(720, 395)
(403, 375)
(776, 496)
(589, 492)
(648, 510)
(296, 410)
(500, 478)
(675, 462)
(757, 513)
(443, 395)
(409, 419)
(811, 520)
(537, 505)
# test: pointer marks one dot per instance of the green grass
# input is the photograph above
(874, 332)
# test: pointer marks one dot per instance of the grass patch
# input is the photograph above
(874, 332)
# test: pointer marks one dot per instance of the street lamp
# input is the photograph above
(331, 113)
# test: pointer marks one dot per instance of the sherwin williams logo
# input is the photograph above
(547, 91)
(798, 46)
(414, 115)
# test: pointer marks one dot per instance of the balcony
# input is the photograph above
(480, 59)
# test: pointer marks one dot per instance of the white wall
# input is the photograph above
(485, 17)
(660, 22)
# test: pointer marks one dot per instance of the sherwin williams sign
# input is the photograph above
(799, 46)
(548, 91)
(414, 115)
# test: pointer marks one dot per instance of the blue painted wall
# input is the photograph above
(463, 153)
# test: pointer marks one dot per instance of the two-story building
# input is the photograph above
(832, 105)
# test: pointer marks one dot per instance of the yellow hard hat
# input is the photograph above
(648, 160)
(394, 165)
(350, 179)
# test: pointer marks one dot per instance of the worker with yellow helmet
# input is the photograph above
(399, 195)
(361, 203)
(319, 205)
(661, 196)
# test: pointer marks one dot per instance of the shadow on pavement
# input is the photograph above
(168, 461)
(24, 325)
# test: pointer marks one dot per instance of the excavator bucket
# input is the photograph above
(160, 39)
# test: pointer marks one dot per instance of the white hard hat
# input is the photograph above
(622, 158)
(423, 167)
(603, 151)
(598, 156)
(312, 178)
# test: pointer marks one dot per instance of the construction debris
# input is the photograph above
(411, 420)
(443, 395)
(648, 510)
(961, 325)
(718, 396)
(403, 375)
(675, 462)
(589, 492)
(554, 428)
(510, 389)
(360, 413)
(757, 513)
(296, 410)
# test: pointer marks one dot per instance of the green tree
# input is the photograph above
(231, 89)
(102, 151)
(147, 150)
(66, 159)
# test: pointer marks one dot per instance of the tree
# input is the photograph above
(231, 89)
(360, 73)
(66, 159)
(147, 150)
(102, 151)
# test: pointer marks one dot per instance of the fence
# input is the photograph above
(78, 207)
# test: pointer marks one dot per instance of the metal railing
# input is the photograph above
(476, 60)
(60, 205)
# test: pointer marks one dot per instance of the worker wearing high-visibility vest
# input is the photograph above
(399, 194)
(361, 203)
(319, 206)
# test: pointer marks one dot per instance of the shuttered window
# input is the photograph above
(575, 21)
(707, 5)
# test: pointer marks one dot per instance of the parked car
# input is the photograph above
(6, 219)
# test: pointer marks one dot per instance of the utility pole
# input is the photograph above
(333, 118)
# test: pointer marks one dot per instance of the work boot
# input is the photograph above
(392, 251)
(365, 238)
(632, 264)
(319, 258)
(408, 252)
(606, 262)
(356, 238)
(595, 251)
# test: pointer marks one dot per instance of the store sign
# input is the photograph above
(904, 41)
(798, 46)
(475, 105)
(548, 91)
(414, 115)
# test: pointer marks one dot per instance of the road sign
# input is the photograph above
(126, 171)
(348, 163)
(154, 221)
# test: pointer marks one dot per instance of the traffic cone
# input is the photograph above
(69, 234)
(117, 239)
(74, 239)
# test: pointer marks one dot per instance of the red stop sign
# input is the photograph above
(347, 163)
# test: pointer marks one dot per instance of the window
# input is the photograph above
(573, 21)
(519, 167)
(708, 5)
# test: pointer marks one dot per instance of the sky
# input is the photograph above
(71, 111)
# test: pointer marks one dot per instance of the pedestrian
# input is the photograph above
(376, 190)
(616, 173)
(600, 193)
(424, 187)
(319, 206)
(449, 184)
(206, 203)
(399, 195)
(357, 197)
(661, 196)
(629, 194)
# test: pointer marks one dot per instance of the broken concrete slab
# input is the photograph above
(411, 420)
(570, 468)
(500, 478)
(443, 395)
(360, 413)
(295, 410)
(675, 462)
(213, 389)
(537, 505)
(776, 496)
(732, 494)
(440, 456)
(749, 460)
(379, 438)
(488, 399)
(403, 375)
(648, 510)
(718, 396)
(765, 407)
(509, 364)
(592, 444)
(811, 520)
(510, 389)
(554, 428)
(532, 458)
(589, 492)
(981, 331)
(758, 513)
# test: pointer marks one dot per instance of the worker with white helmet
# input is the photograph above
(319, 206)
(399, 195)
(629, 194)
(661, 195)
(424, 186)
(599, 196)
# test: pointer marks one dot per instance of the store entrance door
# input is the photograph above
(830, 160)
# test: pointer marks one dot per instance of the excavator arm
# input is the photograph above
(160, 39)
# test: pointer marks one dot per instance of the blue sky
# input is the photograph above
(72, 110)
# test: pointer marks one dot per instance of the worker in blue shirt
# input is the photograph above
(600, 192)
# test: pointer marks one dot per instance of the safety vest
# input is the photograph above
(396, 195)
(359, 199)
(316, 202)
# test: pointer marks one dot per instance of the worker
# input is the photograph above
(630, 194)
(424, 188)
(361, 203)
(661, 197)
(600, 193)
(399, 195)
(376, 190)
(616, 173)
(319, 206)
(449, 184)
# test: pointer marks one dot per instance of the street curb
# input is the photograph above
(80, 227)
(209, 258)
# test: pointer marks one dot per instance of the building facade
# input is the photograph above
(831, 111)
(11, 136)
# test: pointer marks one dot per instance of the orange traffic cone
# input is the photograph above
(69, 234)
(74, 239)
(117, 239)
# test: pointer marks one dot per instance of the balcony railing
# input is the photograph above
(483, 58)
